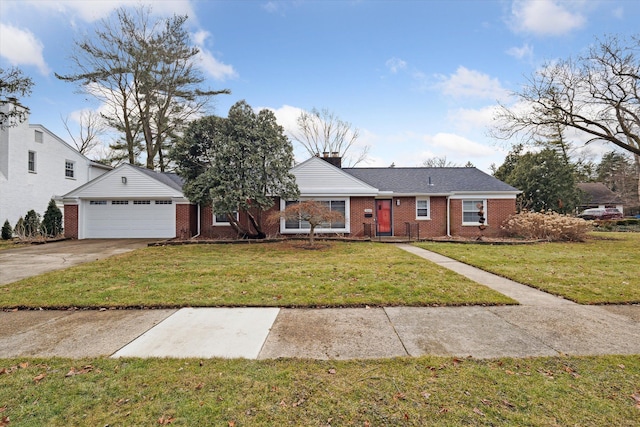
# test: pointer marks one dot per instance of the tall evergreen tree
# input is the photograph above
(237, 164)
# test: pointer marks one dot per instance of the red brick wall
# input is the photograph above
(361, 225)
(210, 231)
(498, 210)
(71, 221)
(186, 220)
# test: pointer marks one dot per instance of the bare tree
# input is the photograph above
(597, 95)
(323, 132)
(13, 85)
(90, 127)
(314, 212)
(439, 162)
(144, 71)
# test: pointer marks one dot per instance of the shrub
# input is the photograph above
(549, 226)
(19, 228)
(52, 220)
(7, 231)
(31, 224)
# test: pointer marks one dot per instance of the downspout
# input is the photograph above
(448, 216)
(198, 234)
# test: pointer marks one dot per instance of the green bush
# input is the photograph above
(31, 224)
(549, 226)
(52, 220)
(7, 231)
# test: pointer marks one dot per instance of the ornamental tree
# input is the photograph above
(237, 164)
(312, 211)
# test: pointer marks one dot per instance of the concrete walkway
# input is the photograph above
(543, 325)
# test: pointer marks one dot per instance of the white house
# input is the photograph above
(36, 166)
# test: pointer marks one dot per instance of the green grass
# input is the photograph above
(559, 391)
(279, 274)
(8, 244)
(604, 269)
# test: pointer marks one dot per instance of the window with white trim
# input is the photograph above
(338, 205)
(423, 208)
(38, 136)
(222, 218)
(163, 202)
(119, 202)
(470, 209)
(69, 169)
(31, 163)
(142, 202)
(97, 202)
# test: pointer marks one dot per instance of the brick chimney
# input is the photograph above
(333, 158)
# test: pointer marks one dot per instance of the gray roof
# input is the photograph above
(598, 193)
(168, 178)
(416, 180)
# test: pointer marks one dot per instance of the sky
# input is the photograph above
(418, 79)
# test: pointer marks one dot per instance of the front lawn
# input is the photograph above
(558, 391)
(604, 269)
(277, 274)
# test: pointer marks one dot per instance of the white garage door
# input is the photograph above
(129, 219)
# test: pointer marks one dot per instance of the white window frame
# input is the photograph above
(38, 136)
(423, 199)
(475, 201)
(347, 219)
(216, 223)
(70, 167)
(32, 164)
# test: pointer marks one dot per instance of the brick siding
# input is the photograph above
(71, 221)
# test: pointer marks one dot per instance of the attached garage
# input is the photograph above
(127, 202)
(129, 219)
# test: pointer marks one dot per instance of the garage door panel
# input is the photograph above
(129, 220)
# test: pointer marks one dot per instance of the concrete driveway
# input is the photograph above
(32, 260)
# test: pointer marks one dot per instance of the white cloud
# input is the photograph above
(458, 146)
(395, 64)
(546, 17)
(466, 119)
(525, 52)
(210, 64)
(471, 83)
(21, 47)
(90, 11)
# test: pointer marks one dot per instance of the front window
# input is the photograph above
(422, 208)
(223, 218)
(337, 205)
(31, 164)
(69, 169)
(470, 209)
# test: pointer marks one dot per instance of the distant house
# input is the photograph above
(598, 195)
(419, 202)
(36, 166)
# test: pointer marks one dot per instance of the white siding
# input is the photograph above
(316, 177)
(138, 185)
(21, 190)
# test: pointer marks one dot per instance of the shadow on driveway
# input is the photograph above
(32, 260)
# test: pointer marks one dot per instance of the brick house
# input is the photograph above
(401, 202)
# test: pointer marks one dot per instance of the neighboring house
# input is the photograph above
(598, 195)
(36, 166)
(419, 202)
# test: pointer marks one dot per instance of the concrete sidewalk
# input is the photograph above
(543, 325)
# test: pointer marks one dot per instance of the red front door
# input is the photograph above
(383, 217)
